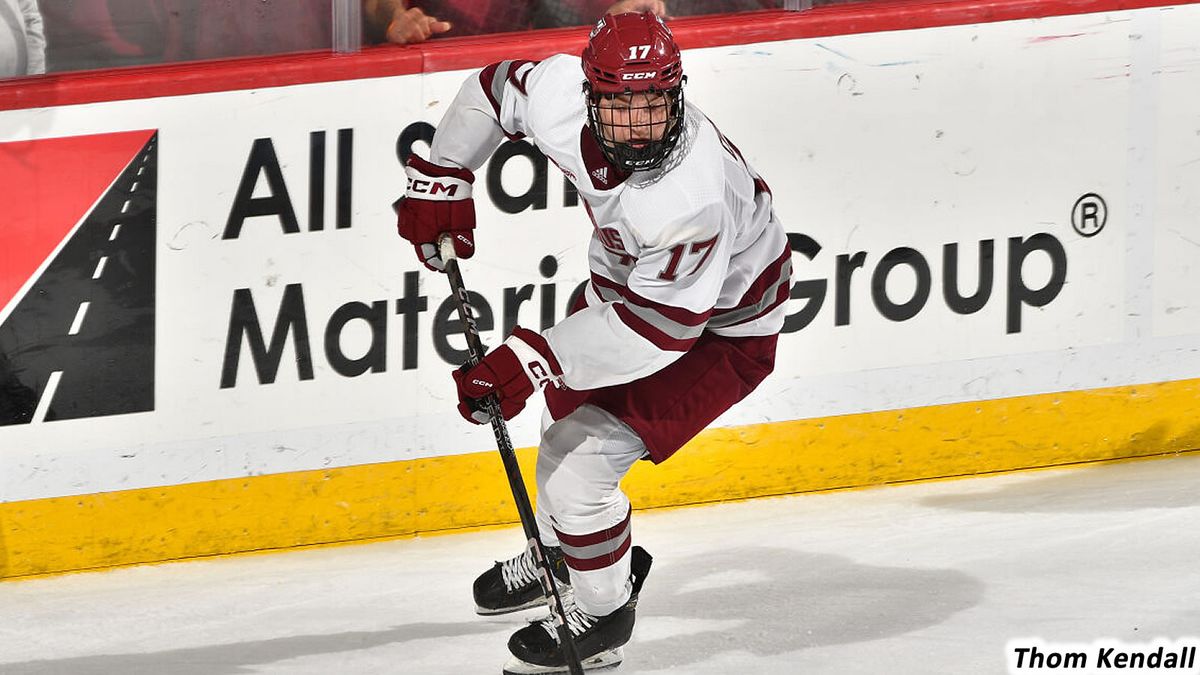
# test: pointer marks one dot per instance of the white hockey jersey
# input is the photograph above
(691, 246)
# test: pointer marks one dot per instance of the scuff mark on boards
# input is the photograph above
(884, 64)
(1051, 38)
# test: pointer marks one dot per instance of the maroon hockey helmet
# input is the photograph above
(632, 63)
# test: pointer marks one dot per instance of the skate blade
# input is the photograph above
(602, 662)
(484, 611)
(564, 592)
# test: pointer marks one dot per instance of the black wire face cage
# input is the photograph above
(646, 116)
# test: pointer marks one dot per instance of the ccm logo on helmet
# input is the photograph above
(639, 76)
(431, 187)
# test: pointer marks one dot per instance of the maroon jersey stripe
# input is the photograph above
(677, 314)
(655, 336)
(519, 83)
(486, 78)
(761, 285)
(780, 297)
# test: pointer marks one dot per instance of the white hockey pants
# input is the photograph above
(580, 505)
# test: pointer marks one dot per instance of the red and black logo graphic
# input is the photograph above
(77, 277)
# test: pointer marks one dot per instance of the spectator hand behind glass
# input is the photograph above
(401, 24)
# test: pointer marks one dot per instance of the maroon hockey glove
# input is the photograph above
(438, 200)
(513, 371)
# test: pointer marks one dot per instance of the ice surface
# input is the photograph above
(923, 578)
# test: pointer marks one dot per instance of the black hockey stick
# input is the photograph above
(504, 444)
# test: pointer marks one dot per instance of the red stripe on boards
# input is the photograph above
(475, 52)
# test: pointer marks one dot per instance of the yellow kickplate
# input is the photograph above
(383, 500)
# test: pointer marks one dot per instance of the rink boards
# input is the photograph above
(995, 249)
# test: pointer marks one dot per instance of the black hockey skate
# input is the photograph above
(598, 639)
(513, 585)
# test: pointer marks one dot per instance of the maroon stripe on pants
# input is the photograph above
(599, 562)
(596, 537)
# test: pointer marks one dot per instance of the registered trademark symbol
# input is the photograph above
(1089, 215)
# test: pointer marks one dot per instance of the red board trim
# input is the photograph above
(474, 52)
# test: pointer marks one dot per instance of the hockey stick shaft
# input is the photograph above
(512, 469)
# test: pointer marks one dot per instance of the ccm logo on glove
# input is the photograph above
(437, 201)
(511, 373)
(432, 188)
(538, 372)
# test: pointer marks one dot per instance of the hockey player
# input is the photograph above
(689, 275)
